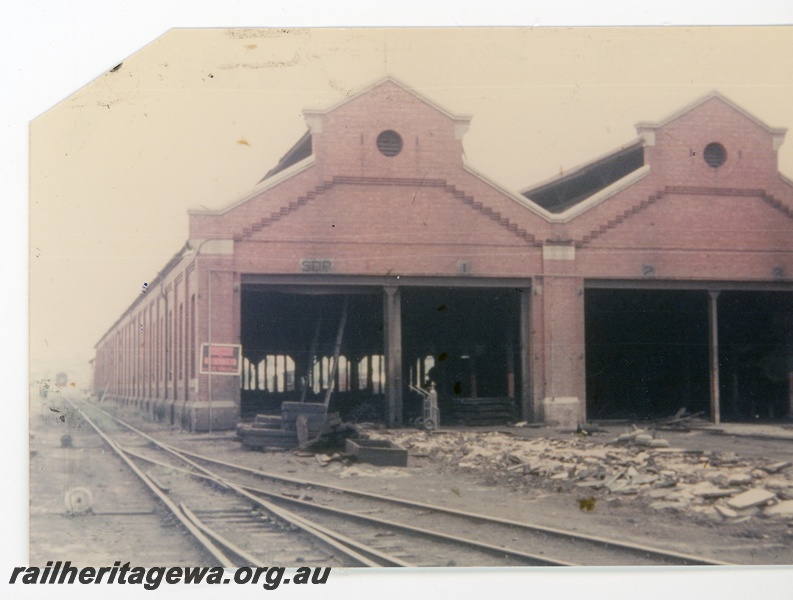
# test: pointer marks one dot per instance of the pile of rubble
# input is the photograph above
(715, 485)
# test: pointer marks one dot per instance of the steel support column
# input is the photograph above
(392, 317)
(528, 411)
(713, 324)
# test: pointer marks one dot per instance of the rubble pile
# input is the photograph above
(717, 486)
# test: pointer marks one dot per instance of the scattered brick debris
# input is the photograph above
(635, 465)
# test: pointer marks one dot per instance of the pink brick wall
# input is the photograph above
(421, 213)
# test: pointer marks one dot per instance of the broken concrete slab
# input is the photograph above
(682, 497)
(703, 488)
(777, 482)
(739, 479)
(659, 492)
(658, 474)
(776, 467)
(645, 479)
(591, 483)
(725, 458)
(781, 509)
(616, 485)
(666, 483)
(717, 477)
(751, 498)
(749, 512)
(726, 512)
(720, 493)
(707, 511)
(741, 520)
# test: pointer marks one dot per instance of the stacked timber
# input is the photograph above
(266, 432)
(315, 414)
(483, 411)
(299, 424)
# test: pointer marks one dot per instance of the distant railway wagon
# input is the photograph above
(61, 380)
(373, 260)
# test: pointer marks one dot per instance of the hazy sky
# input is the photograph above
(197, 117)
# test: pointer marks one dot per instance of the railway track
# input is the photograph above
(239, 510)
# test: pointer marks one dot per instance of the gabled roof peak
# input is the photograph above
(388, 79)
(645, 125)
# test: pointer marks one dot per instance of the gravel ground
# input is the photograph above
(85, 504)
(527, 474)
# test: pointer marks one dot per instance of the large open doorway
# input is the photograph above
(465, 341)
(291, 338)
(755, 354)
(647, 353)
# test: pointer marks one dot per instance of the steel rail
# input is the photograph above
(228, 544)
(499, 551)
(667, 555)
(648, 551)
(537, 560)
(205, 542)
(247, 491)
(349, 547)
(346, 545)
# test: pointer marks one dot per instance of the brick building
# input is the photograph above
(372, 258)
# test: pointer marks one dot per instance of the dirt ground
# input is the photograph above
(85, 505)
(672, 497)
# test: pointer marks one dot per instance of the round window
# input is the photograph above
(389, 143)
(715, 154)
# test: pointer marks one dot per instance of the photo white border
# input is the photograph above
(52, 49)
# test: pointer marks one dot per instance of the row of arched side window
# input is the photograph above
(152, 355)
(276, 373)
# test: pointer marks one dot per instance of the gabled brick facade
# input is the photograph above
(423, 218)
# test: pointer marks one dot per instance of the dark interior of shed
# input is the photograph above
(465, 340)
(755, 355)
(647, 353)
(288, 344)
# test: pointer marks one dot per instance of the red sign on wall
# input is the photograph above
(221, 359)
